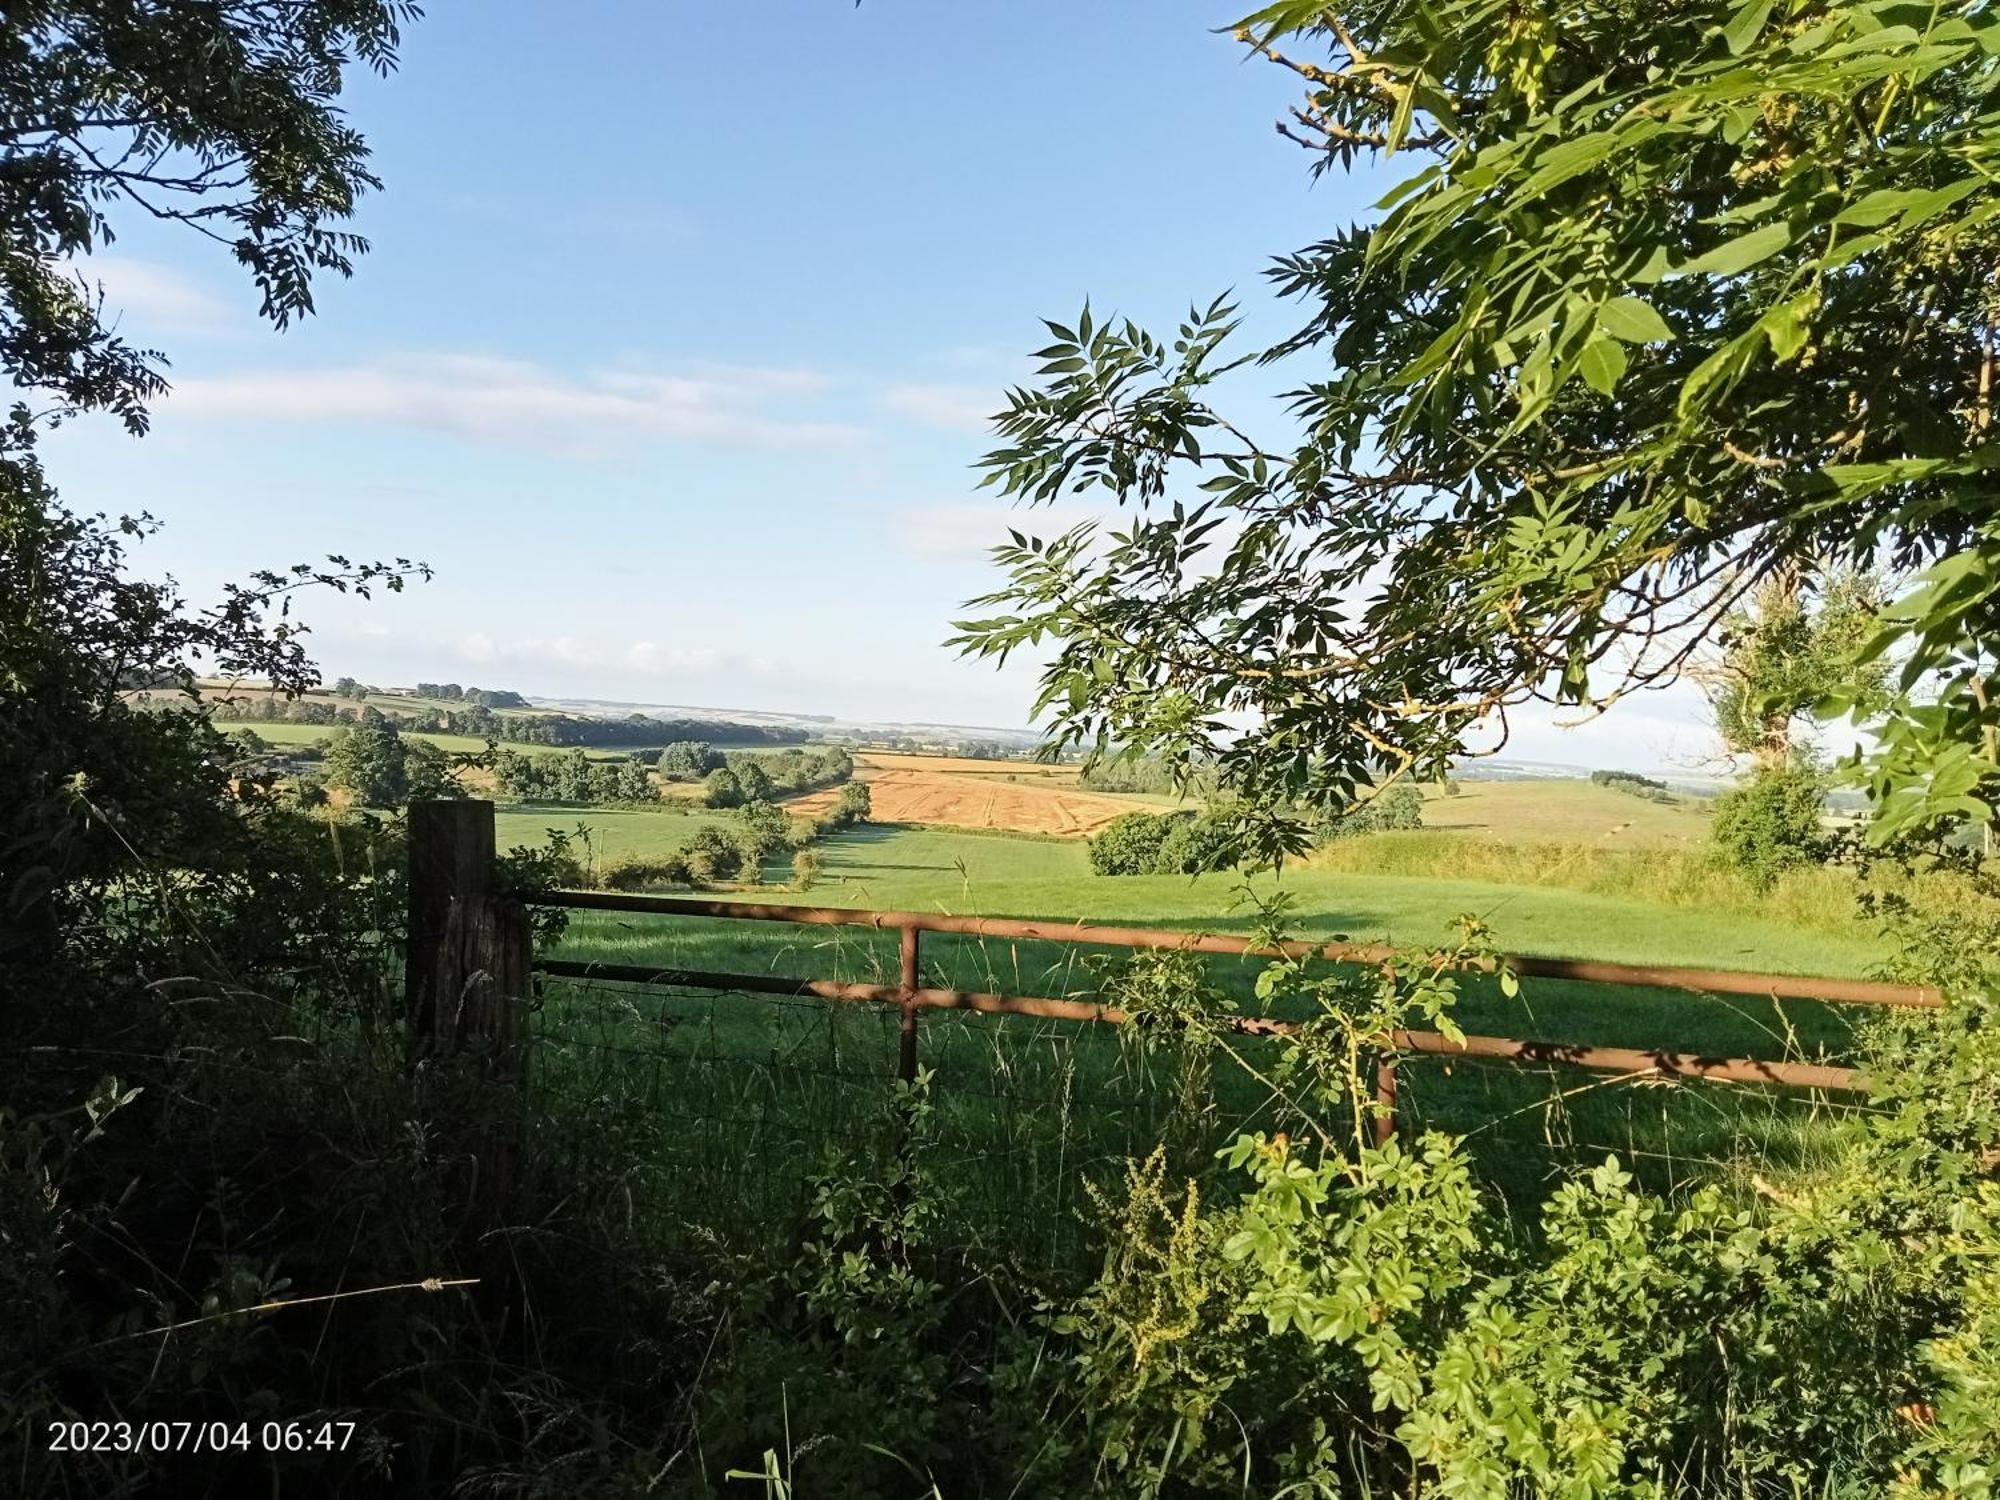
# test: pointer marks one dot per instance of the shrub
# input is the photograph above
(368, 760)
(689, 760)
(645, 874)
(766, 829)
(722, 788)
(806, 867)
(712, 855)
(1130, 845)
(1178, 843)
(1772, 823)
(1398, 809)
(1194, 845)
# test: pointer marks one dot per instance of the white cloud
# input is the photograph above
(513, 400)
(963, 408)
(143, 297)
(484, 650)
(656, 660)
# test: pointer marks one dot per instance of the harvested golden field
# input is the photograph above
(930, 789)
(871, 763)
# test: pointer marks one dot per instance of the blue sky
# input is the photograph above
(680, 319)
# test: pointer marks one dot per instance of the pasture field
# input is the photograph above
(613, 832)
(922, 869)
(1564, 811)
(1028, 1109)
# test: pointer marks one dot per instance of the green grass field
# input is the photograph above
(1027, 1109)
(1552, 811)
(613, 832)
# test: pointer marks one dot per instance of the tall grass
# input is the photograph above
(1823, 897)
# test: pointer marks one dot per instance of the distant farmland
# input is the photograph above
(1010, 796)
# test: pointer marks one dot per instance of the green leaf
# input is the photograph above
(1787, 328)
(1633, 320)
(1746, 26)
(1741, 253)
(1603, 364)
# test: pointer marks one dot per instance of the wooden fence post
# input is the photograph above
(1385, 1101)
(906, 1060)
(467, 976)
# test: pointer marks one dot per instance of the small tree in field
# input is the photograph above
(1797, 643)
(712, 855)
(755, 780)
(688, 760)
(854, 805)
(1129, 845)
(1772, 823)
(722, 788)
(368, 761)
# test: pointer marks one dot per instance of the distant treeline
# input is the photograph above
(764, 829)
(571, 777)
(758, 778)
(451, 692)
(640, 729)
(739, 780)
(1637, 785)
(270, 710)
(477, 719)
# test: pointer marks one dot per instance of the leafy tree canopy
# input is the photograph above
(1672, 297)
(220, 116)
(1786, 651)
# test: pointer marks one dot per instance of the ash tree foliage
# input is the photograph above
(1789, 649)
(1668, 300)
(220, 117)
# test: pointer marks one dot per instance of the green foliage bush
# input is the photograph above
(574, 777)
(712, 855)
(634, 874)
(722, 788)
(689, 760)
(1398, 809)
(1180, 843)
(1129, 845)
(1772, 823)
(368, 762)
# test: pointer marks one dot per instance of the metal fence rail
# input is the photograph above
(471, 969)
(912, 997)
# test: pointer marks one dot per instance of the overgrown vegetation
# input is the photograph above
(229, 1194)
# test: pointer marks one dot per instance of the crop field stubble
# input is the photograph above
(1012, 796)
